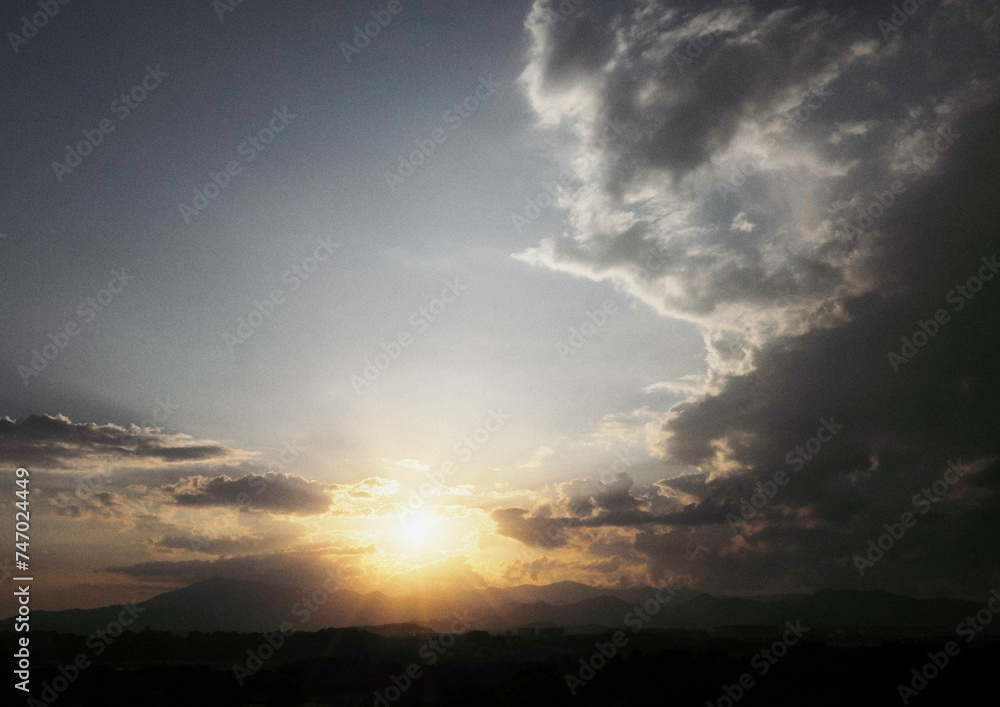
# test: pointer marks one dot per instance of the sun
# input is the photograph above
(421, 531)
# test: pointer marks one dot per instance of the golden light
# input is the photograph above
(421, 531)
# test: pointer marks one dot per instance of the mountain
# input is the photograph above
(558, 593)
(220, 604)
(398, 630)
(562, 593)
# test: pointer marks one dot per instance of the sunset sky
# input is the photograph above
(584, 269)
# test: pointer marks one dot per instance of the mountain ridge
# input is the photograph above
(220, 604)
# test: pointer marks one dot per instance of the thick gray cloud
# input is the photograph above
(275, 493)
(221, 546)
(800, 310)
(732, 207)
(590, 503)
(900, 428)
(531, 528)
(56, 442)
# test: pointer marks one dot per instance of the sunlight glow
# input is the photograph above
(421, 531)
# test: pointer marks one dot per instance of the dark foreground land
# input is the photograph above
(349, 666)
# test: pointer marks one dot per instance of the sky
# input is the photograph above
(502, 293)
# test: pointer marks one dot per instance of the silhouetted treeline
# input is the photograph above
(348, 666)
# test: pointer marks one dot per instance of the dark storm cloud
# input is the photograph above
(583, 496)
(822, 306)
(900, 428)
(571, 46)
(615, 495)
(809, 95)
(55, 441)
(687, 500)
(587, 503)
(272, 492)
(521, 524)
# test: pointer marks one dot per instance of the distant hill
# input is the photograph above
(220, 604)
(396, 630)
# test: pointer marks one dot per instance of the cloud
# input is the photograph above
(272, 492)
(538, 458)
(687, 386)
(286, 569)
(767, 94)
(537, 529)
(368, 489)
(753, 194)
(118, 509)
(56, 442)
(414, 464)
(589, 503)
(228, 545)
(520, 570)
